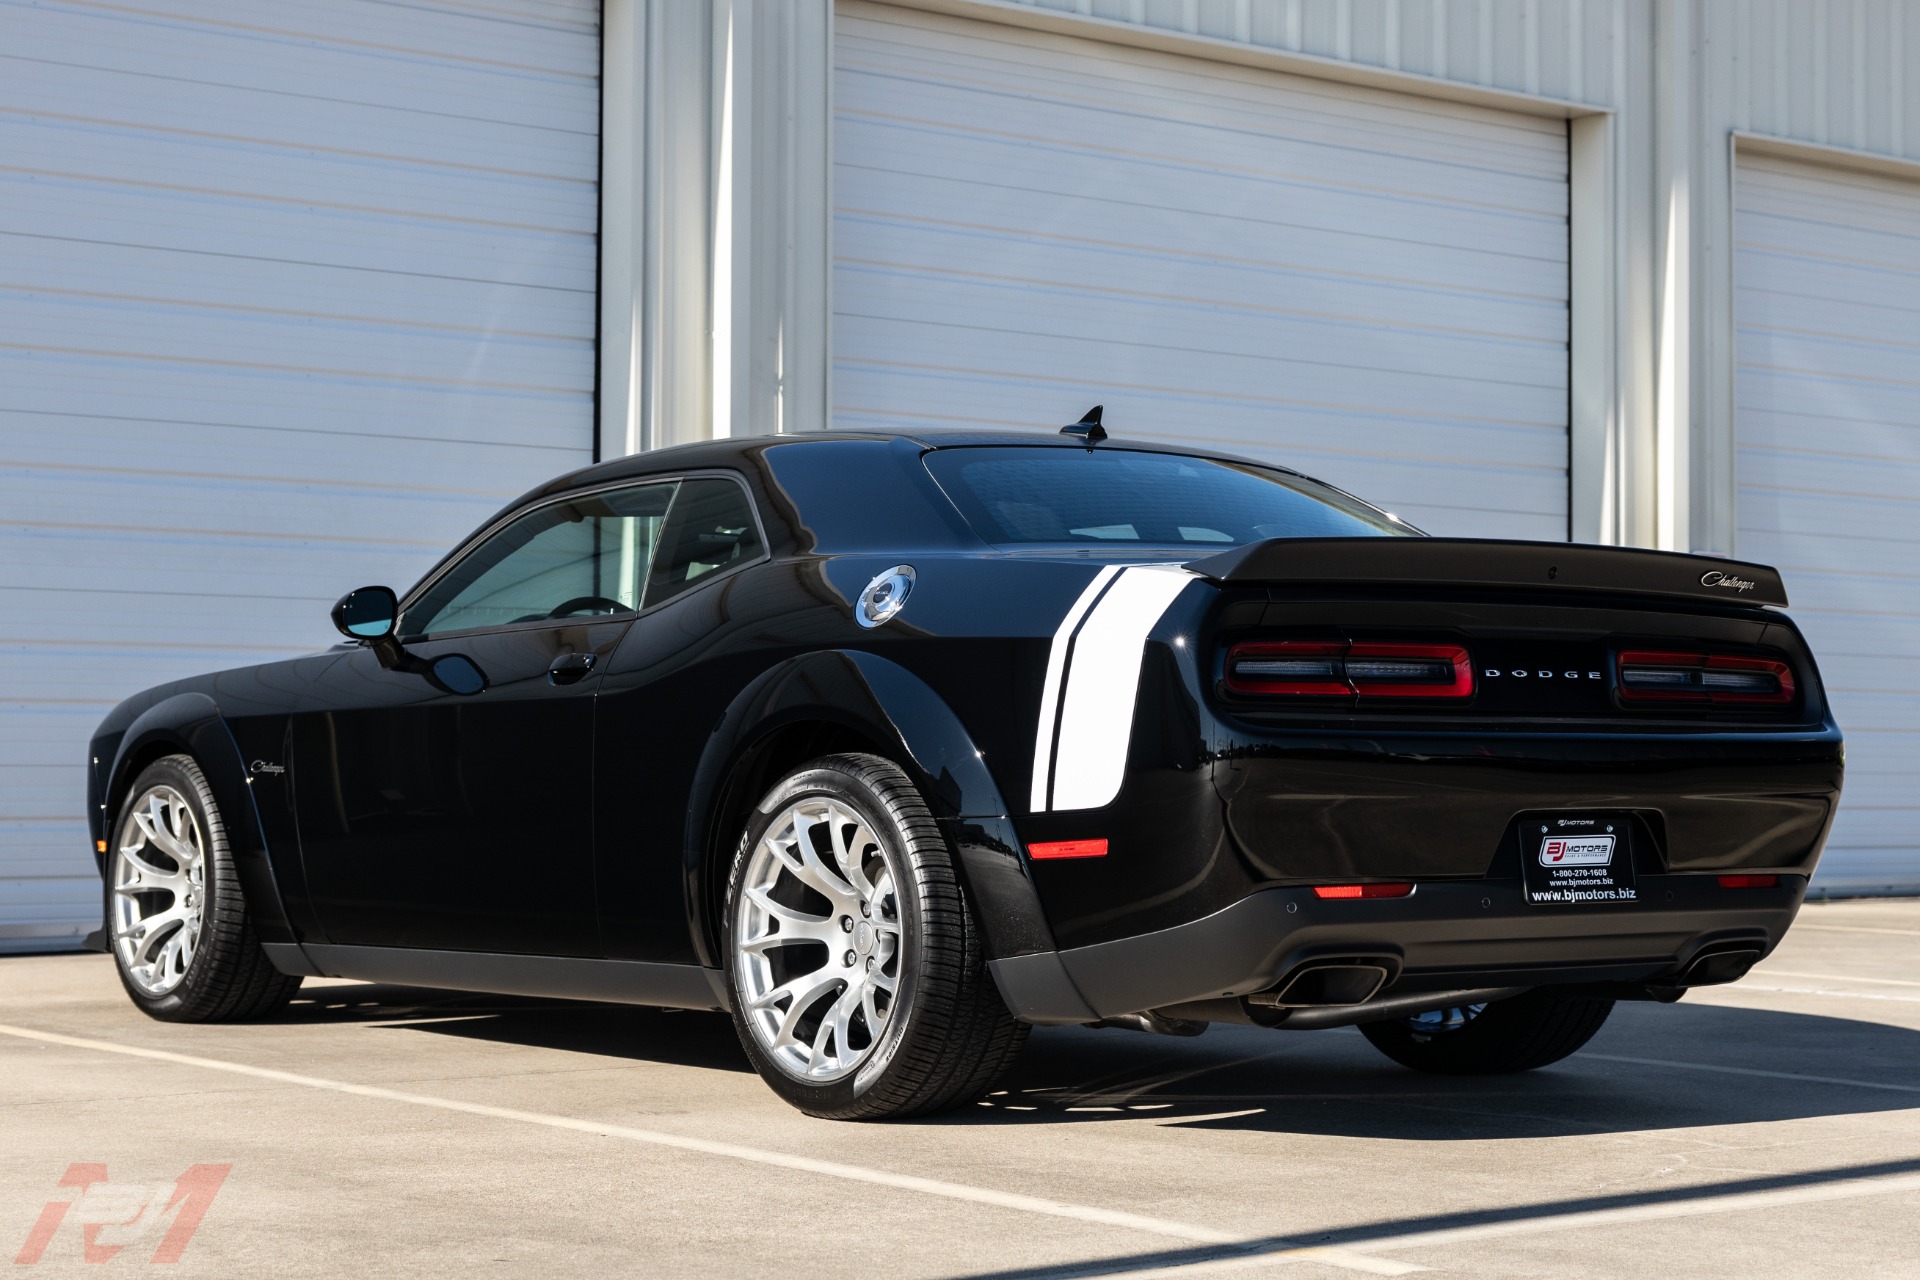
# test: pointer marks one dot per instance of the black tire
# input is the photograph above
(229, 978)
(946, 1037)
(1506, 1036)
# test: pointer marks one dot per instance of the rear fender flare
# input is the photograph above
(191, 724)
(890, 706)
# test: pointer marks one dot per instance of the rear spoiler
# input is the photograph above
(1493, 562)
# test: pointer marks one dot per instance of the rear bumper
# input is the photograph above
(1445, 936)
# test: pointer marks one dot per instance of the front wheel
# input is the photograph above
(859, 985)
(182, 939)
(1516, 1034)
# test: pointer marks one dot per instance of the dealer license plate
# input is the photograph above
(1577, 860)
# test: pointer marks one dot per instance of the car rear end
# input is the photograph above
(1449, 765)
(1365, 766)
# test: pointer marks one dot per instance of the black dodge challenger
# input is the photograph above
(894, 745)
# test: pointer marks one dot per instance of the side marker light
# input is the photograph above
(1068, 849)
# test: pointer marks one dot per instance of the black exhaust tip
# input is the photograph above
(1329, 982)
(1718, 965)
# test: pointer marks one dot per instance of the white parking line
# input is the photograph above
(1824, 991)
(1794, 1076)
(1580, 1220)
(779, 1159)
(1770, 972)
(1857, 928)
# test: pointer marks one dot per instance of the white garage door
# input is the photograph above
(1827, 401)
(1367, 287)
(291, 296)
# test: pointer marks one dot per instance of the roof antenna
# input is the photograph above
(1088, 428)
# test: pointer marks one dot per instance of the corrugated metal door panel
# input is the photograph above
(1370, 289)
(1827, 398)
(291, 297)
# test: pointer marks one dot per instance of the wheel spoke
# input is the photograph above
(792, 919)
(162, 828)
(152, 874)
(155, 933)
(805, 992)
(850, 851)
(804, 863)
(870, 1009)
(841, 1020)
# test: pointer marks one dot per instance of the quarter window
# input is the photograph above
(712, 528)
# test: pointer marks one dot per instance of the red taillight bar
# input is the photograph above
(1690, 678)
(1343, 669)
(1749, 882)
(1362, 890)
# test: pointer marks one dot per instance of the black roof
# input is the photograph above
(711, 453)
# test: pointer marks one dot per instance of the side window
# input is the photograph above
(582, 557)
(711, 527)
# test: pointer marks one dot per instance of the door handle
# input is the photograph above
(569, 668)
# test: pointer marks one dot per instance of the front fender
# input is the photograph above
(887, 704)
(191, 724)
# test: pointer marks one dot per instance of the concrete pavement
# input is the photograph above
(1771, 1128)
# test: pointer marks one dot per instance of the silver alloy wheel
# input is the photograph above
(1440, 1022)
(817, 940)
(159, 890)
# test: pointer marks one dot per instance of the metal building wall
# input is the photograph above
(1653, 93)
(291, 297)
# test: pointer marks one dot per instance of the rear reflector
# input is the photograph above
(1362, 890)
(1748, 882)
(1069, 849)
(1342, 669)
(1721, 679)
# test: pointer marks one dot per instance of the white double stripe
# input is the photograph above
(1093, 679)
(1050, 691)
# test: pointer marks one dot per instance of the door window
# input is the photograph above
(584, 557)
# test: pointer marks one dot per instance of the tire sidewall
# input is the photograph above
(220, 893)
(840, 1097)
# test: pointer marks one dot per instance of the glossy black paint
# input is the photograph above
(428, 818)
(589, 812)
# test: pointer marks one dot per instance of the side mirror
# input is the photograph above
(367, 614)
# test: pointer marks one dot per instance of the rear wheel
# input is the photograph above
(1505, 1036)
(859, 985)
(182, 941)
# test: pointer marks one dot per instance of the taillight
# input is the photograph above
(1399, 890)
(1721, 679)
(1295, 668)
(1340, 669)
(1409, 670)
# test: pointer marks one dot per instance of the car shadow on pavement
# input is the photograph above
(1651, 1067)
(680, 1038)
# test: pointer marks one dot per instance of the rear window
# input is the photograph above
(1048, 494)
